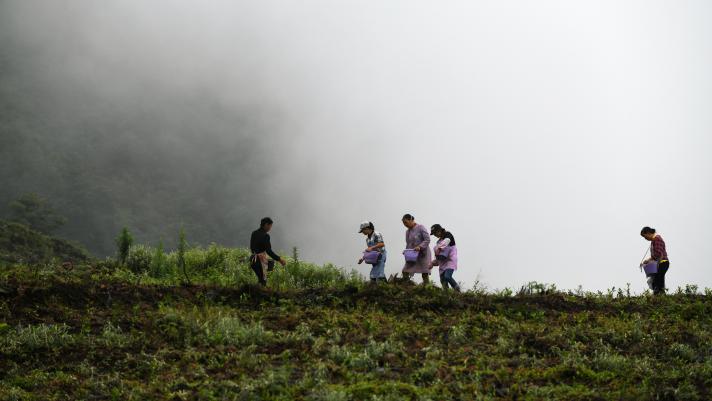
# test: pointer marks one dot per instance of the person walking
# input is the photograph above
(658, 253)
(261, 247)
(445, 251)
(374, 243)
(418, 239)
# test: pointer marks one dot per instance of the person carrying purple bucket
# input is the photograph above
(417, 253)
(445, 252)
(659, 257)
(375, 253)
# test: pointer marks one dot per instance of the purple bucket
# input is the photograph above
(371, 257)
(651, 268)
(411, 255)
(445, 252)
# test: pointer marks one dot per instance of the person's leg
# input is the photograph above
(406, 275)
(426, 278)
(257, 268)
(380, 268)
(453, 283)
(374, 272)
(446, 277)
(660, 277)
(656, 281)
(656, 284)
(443, 280)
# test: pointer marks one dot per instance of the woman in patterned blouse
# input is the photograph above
(659, 254)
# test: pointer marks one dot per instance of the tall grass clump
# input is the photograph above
(297, 275)
(113, 337)
(295, 255)
(139, 259)
(228, 330)
(159, 263)
(211, 326)
(35, 337)
(123, 245)
(182, 245)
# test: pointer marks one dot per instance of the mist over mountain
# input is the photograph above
(112, 142)
(543, 135)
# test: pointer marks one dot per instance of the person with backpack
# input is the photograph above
(658, 254)
(375, 250)
(445, 251)
(417, 239)
(261, 247)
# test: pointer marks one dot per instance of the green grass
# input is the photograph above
(218, 265)
(319, 333)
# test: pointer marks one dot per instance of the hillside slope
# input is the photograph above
(21, 244)
(90, 334)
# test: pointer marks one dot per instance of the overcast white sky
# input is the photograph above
(543, 134)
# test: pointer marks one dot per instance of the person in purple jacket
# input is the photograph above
(417, 238)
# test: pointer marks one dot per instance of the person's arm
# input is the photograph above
(444, 243)
(425, 237)
(380, 244)
(658, 250)
(654, 250)
(253, 244)
(440, 245)
(270, 252)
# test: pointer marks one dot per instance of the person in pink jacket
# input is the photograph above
(445, 252)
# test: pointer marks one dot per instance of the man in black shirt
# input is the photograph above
(261, 247)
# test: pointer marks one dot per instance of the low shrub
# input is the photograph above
(35, 337)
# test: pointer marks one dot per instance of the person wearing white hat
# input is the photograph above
(374, 243)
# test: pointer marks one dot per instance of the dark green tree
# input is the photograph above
(123, 245)
(36, 212)
(158, 262)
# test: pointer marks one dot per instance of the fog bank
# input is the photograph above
(543, 135)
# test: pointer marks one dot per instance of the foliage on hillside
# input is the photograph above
(37, 213)
(219, 265)
(107, 332)
(21, 244)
